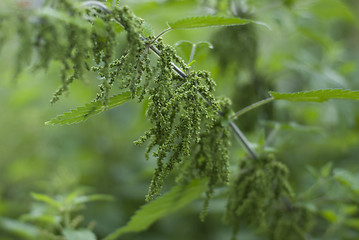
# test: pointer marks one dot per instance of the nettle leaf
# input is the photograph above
(317, 96)
(202, 47)
(326, 169)
(186, 49)
(177, 198)
(79, 234)
(207, 21)
(82, 113)
(46, 199)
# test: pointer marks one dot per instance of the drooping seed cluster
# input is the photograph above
(183, 112)
(261, 197)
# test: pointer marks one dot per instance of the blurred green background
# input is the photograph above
(312, 44)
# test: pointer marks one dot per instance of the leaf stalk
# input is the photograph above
(251, 107)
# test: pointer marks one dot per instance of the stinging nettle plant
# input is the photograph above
(190, 129)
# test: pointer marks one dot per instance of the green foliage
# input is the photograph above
(348, 180)
(170, 202)
(24, 230)
(50, 215)
(210, 156)
(190, 52)
(181, 118)
(260, 191)
(189, 135)
(332, 9)
(80, 114)
(290, 221)
(317, 95)
(243, 56)
(56, 213)
(81, 234)
(207, 21)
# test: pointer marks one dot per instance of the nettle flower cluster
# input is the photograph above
(184, 114)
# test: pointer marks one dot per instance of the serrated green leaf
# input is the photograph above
(187, 49)
(80, 114)
(79, 234)
(202, 48)
(207, 21)
(177, 198)
(184, 49)
(46, 199)
(317, 96)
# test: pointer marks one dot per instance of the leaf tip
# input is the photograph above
(263, 24)
(48, 123)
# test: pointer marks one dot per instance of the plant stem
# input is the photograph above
(243, 140)
(97, 4)
(161, 33)
(239, 134)
(251, 107)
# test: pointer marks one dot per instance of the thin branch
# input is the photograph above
(251, 107)
(243, 140)
(193, 50)
(183, 75)
(160, 34)
(96, 4)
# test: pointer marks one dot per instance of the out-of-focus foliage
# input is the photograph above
(312, 45)
(178, 197)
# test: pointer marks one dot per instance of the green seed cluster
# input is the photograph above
(186, 127)
(63, 31)
(261, 196)
(64, 38)
(183, 113)
(209, 156)
(103, 40)
(136, 56)
(290, 221)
